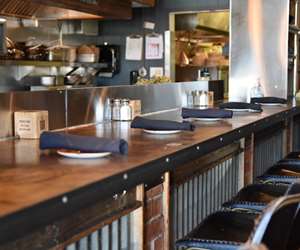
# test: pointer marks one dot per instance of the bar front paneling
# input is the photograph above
(268, 148)
(296, 133)
(212, 180)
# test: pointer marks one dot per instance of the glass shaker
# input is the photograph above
(125, 110)
(190, 99)
(116, 110)
(108, 109)
(203, 99)
(196, 98)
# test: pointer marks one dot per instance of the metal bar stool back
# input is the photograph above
(272, 228)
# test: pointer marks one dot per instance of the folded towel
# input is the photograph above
(88, 144)
(273, 100)
(241, 105)
(206, 113)
(144, 123)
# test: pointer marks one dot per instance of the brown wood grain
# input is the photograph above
(149, 3)
(29, 176)
(120, 9)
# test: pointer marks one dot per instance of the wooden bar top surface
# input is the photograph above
(29, 177)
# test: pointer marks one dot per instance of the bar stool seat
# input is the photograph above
(293, 156)
(255, 197)
(228, 228)
(281, 173)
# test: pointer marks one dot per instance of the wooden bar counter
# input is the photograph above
(37, 188)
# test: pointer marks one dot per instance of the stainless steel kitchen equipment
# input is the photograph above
(109, 56)
(258, 47)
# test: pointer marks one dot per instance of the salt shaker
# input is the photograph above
(196, 98)
(125, 110)
(203, 99)
(116, 110)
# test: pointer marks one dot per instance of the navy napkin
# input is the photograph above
(144, 123)
(274, 100)
(241, 105)
(206, 113)
(88, 144)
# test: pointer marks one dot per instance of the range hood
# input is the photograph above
(213, 22)
(66, 9)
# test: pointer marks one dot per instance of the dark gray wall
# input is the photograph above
(115, 32)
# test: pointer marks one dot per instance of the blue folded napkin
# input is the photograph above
(144, 123)
(206, 113)
(269, 99)
(88, 144)
(241, 105)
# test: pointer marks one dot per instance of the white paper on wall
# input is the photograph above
(134, 48)
(154, 47)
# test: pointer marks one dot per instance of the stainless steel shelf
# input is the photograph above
(50, 63)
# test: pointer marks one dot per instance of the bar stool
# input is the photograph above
(255, 197)
(281, 172)
(227, 230)
(293, 156)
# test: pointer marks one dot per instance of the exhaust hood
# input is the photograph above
(66, 9)
(212, 22)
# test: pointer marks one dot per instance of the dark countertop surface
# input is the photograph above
(32, 183)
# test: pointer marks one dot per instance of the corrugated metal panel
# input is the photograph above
(201, 195)
(296, 134)
(115, 236)
(267, 152)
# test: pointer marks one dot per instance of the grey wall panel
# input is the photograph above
(259, 47)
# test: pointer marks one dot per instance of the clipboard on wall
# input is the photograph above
(134, 48)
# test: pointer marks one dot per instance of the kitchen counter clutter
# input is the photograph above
(38, 187)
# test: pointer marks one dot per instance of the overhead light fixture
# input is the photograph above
(2, 20)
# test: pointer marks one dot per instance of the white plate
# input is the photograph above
(272, 104)
(207, 119)
(239, 110)
(161, 132)
(75, 155)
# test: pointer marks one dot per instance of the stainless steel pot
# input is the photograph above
(48, 80)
